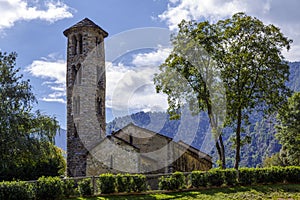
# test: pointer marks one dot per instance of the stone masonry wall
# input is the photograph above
(85, 95)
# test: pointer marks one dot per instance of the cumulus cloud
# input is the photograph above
(53, 71)
(129, 82)
(131, 89)
(154, 58)
(284, 14)
(18, 10)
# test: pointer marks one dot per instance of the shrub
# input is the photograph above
(85, 187)
(107, 183)
(174, 182)
(247, 176)
(164, 183)
(16, 190)
(49, 188)
(198, 179)
(139, 183)
(215, 177)
(123, 182)
(70, 188)
(292, 174)
(230, 177)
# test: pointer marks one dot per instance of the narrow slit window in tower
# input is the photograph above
(80, 44)
(74, 45)
(74, 74)
(76, 127)
(130, 139)
(79, 74)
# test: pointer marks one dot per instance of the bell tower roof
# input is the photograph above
(85, 23)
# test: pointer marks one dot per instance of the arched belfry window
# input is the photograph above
(74, 45)
(80, 45)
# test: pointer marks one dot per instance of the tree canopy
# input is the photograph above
(247, 58)
(27, 148)
(289, 130)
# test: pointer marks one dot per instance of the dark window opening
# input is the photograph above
(79, 74)
(74, 74)
(75, 131)
(74, 45)
(80, 44)
(130, 139)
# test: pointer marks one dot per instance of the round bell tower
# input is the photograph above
(86, 84)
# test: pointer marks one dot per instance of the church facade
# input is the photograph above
(132, 149)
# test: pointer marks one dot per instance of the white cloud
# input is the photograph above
(18, 10)
(54, 72)
(131, 89)
(284, 14)
(154, 58)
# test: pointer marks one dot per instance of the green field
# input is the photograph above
(278, 192)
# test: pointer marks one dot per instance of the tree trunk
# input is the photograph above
(218, 138)
(222, 152)
(219, 151)
(238, 139)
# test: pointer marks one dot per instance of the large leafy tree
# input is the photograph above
(247, 54)
(26, 137)
(289, 130)
(254, 72)
(189, 77)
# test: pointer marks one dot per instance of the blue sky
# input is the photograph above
(138, 42)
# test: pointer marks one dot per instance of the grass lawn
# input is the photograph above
(278, 192)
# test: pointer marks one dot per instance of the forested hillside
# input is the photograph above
(261, 131)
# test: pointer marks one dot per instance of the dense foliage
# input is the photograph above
(247, 61)
(27, 148)
(175, 182)
(289, 130)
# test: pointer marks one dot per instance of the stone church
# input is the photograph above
(132, 149)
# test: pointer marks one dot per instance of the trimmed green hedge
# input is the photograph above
(139, 183)
(123, 182)
(17, 190)
(85, 187)
(57, 188)
(130, 183)
(245, 176)
(107, 183)
(175, 182)
(49, 188)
